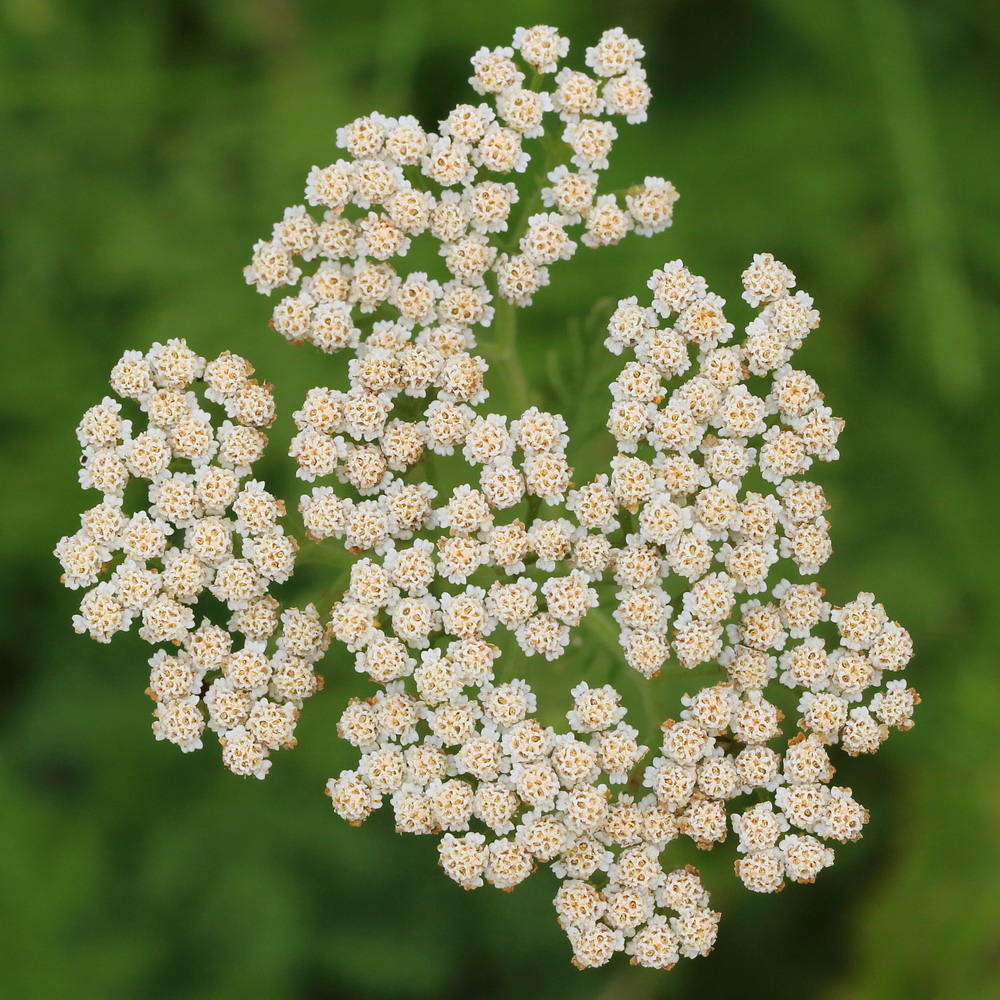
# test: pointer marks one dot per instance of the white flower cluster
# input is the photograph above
(696, 527)
(178, 521)
(703, 507)
(400, 183)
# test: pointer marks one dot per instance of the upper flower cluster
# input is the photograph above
(400, 183)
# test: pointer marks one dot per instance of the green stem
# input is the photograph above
(534, 505)
(503, 350)
(502, 353)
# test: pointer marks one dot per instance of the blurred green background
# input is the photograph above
(147, 145)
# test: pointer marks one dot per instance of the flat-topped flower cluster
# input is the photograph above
(400, 183)
(688, 541)
(180, 525)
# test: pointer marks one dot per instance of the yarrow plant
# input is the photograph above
(695, 544)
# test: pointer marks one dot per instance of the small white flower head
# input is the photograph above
(629, 422)
(628, 95)
(591, 141)
(792, 317)
(522, 110)
(541, 47)
(547, 475)
(806, 665)
(495, 70)
(459, 557)
(686, 742)
(297, 232)
(489, 204)
(103, 615)
(860, 622)
(364, 136)
(594, 505)
(384, 659)
(437, 679)
(675, 288)
(628, 325)
(546, 240)
(519, 278)
(628, 909)
(572, 193)
(508, 703)
(593, 555)
(595, 709)
(506, 546)
(376, 180)
(464, 858)
(469, 257)
(584, 808)
(381, 238)
(645, 608)
(513, 603)
(652, 205)
(619, 751)
(804, 857)
(862, 733)
(845, 818)
(461, 379)
(819, 431)
(614, 53)
(645, 650)
(271, 267)
(766, 280)
(102, 426)
(594, 944)
(895, 705)
(607, 223)
(502, 483)
(465, 615)
(465, 306)
(539, 431)
(654, 946)
(509, 864)
(332, 186)
(467, 123)
(243, 754)
(500, 150)
(740, 413)
(174, 365)
(703, 322)
(762, 871)
(638, 564)
(552, 541)
(487, 440)
(578, 903)
(467, 511)
(82, 559)
(543, 634)
(414, 619)
(576, 94)
(180, 722)
(405, 140)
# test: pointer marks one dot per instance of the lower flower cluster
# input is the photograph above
(456, 750)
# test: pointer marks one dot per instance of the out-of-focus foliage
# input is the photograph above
(145, 148)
